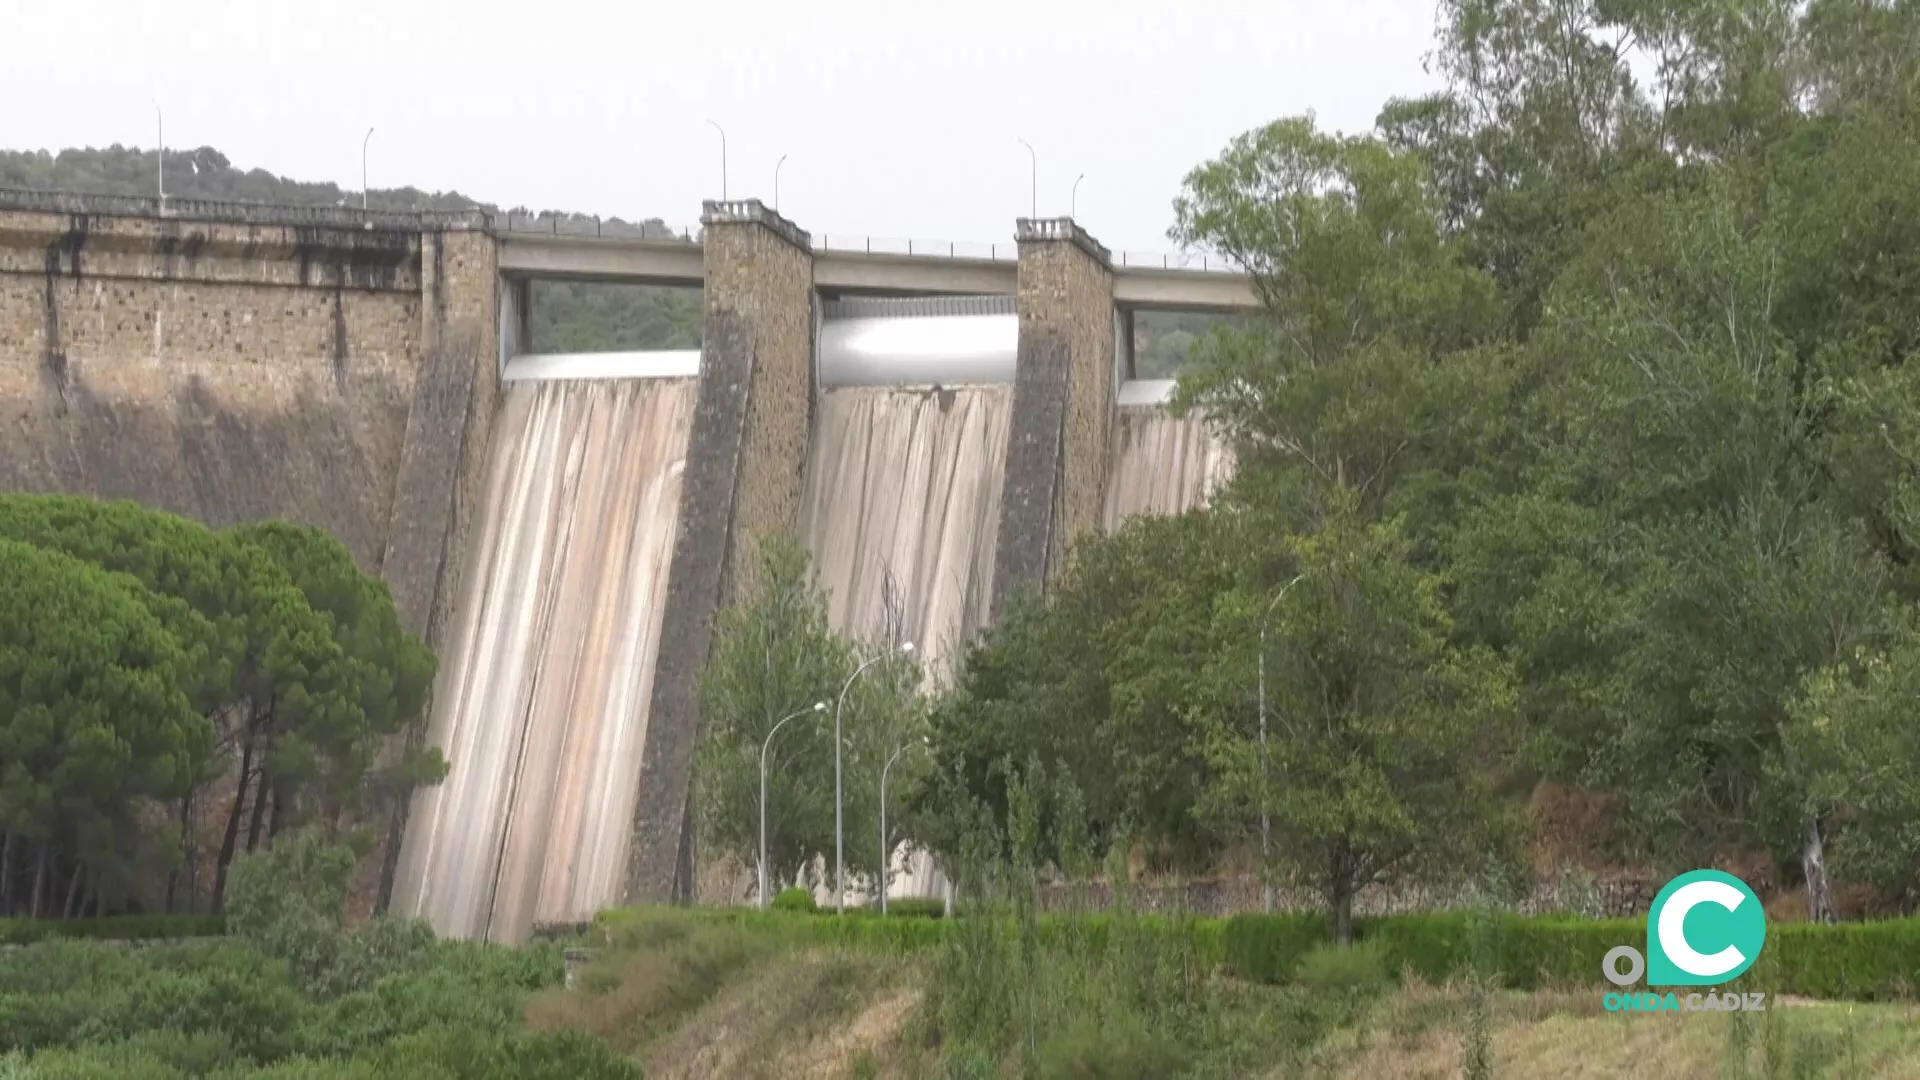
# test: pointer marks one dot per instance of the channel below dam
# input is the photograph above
(562, 529)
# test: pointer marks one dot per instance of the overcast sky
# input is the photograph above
(898, 119)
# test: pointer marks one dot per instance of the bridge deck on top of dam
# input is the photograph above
(676, 261)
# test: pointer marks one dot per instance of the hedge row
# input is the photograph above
(1865, 961)
(113, 928)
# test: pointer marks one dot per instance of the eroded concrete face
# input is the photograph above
(256, 362)
(225, 372)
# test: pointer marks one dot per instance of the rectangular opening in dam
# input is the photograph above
(601, 316)
(1163, 341)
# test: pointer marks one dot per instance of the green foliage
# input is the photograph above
(1099, 685)
(1354, 969)
(776, 659)
(112, 928)
(229, 1009)
(916, 907)
(290, 662)
(290, 903)
(93, 721)
(795, 899)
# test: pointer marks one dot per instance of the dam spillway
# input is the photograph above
(541, 705)
(905, 468)
(1160, 463)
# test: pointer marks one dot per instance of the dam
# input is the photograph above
(563, 528)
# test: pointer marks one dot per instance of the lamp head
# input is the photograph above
(819, 706)
(906, 646)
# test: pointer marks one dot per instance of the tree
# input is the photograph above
(1852, 749)
(773, 655)
(388, 679)
(93, 723)
(1097, 683)
(1385, 740)
(300, 678)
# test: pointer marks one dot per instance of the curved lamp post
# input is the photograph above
(160, 158)
(723, 158)
(1073, 201)
(363, 169)
(886, 852)
(1033, 180)
(776, 182)
(1266, 819)
(839, 787)
(818, 707)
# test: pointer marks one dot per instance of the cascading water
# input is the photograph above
(541, 705)
(903, 494)
(1161, 464)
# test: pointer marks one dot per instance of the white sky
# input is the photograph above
(899, 119)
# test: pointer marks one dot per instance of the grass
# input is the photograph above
(691, 994)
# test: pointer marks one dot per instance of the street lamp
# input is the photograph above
(723, 159)
(160, 158)
(776, 182)
(363, 169)
(839, 787)
(818, 707)
(886, 852)
(1073, 202)
(1266, 819)
(1033, 180)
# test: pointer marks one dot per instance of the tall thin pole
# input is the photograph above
(1073, 203)
(776, 182)
(886, 854)
(160, 158)
(839, 785)
(723, 159)
(1266, 818)
(818, 706)
(363, 169)
(1033, 180)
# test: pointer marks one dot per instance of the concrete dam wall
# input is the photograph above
(563, 529)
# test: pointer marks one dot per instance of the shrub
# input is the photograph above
(1267, 948)
(1359, 969)
(916, 908)
(795, 899)
(112, 928)
(1128, 1048)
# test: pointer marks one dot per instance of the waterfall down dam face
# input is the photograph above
(903, 498)
(541, 704)
(1161, 464)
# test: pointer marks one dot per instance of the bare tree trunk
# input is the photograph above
(73, 889)
(232, 837)
(39, 881)
(6, 875)
(1340, 880)
(261, 796)
(190, 828)
(1813, 864)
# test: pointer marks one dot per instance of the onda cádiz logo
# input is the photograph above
(1705, 928)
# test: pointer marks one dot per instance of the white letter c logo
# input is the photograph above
(1673, 937)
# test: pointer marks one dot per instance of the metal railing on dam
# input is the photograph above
(595, 227)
